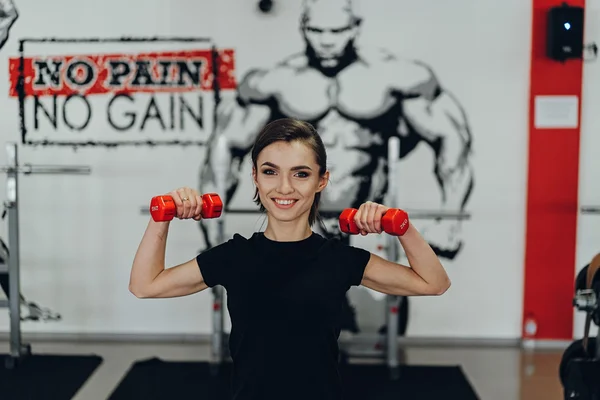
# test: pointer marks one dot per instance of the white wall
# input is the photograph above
(79, 234)
(588, 228)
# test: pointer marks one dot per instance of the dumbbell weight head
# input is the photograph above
(346, 221)
(394, 222)
(163, 208)
(212, 205)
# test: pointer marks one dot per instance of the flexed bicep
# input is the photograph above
(236, 129)
(442, 122)
(239, 124)
(239, 119)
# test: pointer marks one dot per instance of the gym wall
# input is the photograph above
(79, 233)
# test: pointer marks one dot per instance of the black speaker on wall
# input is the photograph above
(565, 32)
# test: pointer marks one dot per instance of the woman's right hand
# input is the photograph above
(188, 203)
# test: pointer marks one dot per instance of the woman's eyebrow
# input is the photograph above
(296, 168)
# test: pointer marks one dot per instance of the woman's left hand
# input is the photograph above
(368, 217)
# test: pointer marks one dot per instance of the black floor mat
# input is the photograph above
(157, 379)
(417, 382)
(56, 377)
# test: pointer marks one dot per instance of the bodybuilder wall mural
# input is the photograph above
(357, 98)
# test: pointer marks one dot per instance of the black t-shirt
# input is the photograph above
(285, 301)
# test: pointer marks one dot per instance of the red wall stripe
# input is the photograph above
(552, 191)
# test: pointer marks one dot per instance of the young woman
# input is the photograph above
(286, 285)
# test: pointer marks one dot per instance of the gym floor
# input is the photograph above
(496, 373)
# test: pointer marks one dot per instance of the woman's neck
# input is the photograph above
(292, 231)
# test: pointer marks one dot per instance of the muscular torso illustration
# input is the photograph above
(355, 118)
(356, 107)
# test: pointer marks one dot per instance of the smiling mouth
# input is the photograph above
(284, 203)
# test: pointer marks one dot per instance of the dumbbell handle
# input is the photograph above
(394, 222)
(163, 208)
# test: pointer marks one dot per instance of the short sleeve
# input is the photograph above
(216, 264)
(353, 261)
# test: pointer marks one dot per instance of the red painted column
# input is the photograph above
(552, 191)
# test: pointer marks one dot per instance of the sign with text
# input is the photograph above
(118, 91)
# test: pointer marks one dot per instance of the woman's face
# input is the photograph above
(287, 178)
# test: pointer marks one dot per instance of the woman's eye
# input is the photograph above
(303, 174)
(268, 172)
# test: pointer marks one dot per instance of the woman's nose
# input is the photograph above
(285, 186)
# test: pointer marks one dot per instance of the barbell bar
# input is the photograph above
(29, 169)
(590, 210)
(413, 214)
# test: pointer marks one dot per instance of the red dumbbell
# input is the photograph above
(163, 208)
(394, 222)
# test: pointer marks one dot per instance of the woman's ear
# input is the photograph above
(323, 181)
(254, 175)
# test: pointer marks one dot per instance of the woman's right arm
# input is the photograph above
(149, 278)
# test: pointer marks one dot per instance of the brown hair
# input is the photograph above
(291, 130)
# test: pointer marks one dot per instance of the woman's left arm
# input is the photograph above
(425, 277)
